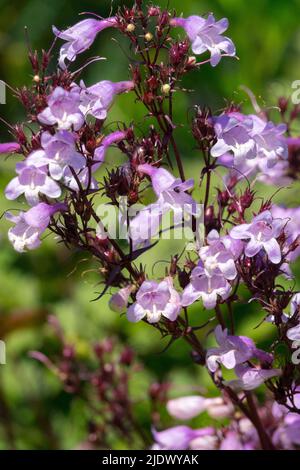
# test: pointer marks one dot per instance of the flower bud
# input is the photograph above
(223, 198)
(148, 37)
(295, 112)
(104, 347)
(166, 89)
(148, 97)
(191, 61)
(183, 278)
(164, 19)
(119, 301)
(158, 391)
(283, 104)
(130, 28)
(153, 11)
(127, 357)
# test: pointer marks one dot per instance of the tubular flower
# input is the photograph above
(232, 350)
(31, 182)
(30, 225)
(97, 99)
(153, 300)
(63, 110)
(10, 147)
(250, 378)
(261, 234)
(59, 153)
(80, 37)
(206, 35)
(208, 288)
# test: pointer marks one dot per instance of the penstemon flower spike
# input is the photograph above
(242, 245)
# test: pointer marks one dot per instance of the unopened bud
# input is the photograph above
(166, 89)
(153, 11)
(127, 357)
(36, 79)
(130, 28)
(119, 301)
(191, 61)
(148, 36)
(283, 104)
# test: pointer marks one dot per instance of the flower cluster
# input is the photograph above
(247, 248)
(282, 426)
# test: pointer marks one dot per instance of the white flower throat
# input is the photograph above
(211, 264)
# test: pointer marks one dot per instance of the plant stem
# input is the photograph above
(178, 158)
(265, 440)
(207, 189)
(220, 316)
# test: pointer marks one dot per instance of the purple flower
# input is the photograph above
(96, 99)
(269, 140)
(250, 378)
(208, 441)
(279, 411)
(287, 435)
(186, 407)
(277, 175)
(217, 408)
(295, 304)
(260, 234)
(241, 435)
(59, 152)
(232, 350)
(10, 147)
(155, 299)
(208, 288)
(292, 227)
(171, 194)
(217, 256)
(63, 110)
(31, 182)
(232, 441)
(191, 406)
(109, 140)
(84, 176)
(233, 135)
(80, 37)
(171, 191)
(30, 225)
(119, 301)
(178, 437)
(254, 167)
(249, 138)
(145, 225)
(206, 35)
(215, 268)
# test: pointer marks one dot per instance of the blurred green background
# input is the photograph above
(34, 411)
